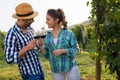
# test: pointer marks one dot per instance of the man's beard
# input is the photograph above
(27, 24)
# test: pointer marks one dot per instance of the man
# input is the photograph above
(20, 44)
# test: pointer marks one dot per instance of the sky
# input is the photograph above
(76, 11)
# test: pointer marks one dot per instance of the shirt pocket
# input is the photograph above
(64, 43)
(50, 46)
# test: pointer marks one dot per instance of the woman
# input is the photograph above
(60, 47)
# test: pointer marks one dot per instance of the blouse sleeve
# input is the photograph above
(74, 47)
(46, 54)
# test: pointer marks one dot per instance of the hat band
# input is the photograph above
(23, 15)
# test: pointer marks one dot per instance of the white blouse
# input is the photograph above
(55, 41)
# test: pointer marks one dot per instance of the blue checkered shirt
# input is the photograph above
(15, 40)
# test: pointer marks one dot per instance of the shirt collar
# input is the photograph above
(19, 29)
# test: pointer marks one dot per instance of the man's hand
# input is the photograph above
(31, 44)
(28, 47)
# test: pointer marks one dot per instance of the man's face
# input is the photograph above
(28, 22)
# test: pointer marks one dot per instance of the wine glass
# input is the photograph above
(37, 37)
(43, 33)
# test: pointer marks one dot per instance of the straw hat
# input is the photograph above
(24, 11)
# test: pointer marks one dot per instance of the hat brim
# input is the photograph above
(35, 13)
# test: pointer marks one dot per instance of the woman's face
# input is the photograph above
(50, 21)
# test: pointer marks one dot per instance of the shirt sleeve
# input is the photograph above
(46, 54)
(74, 47)
(11, 53)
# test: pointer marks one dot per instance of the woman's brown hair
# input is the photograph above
(59, 13)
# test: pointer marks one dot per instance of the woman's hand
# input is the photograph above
(42, 50)
(59, 52)
(41, 42)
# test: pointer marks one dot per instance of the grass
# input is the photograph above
(85, 63)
